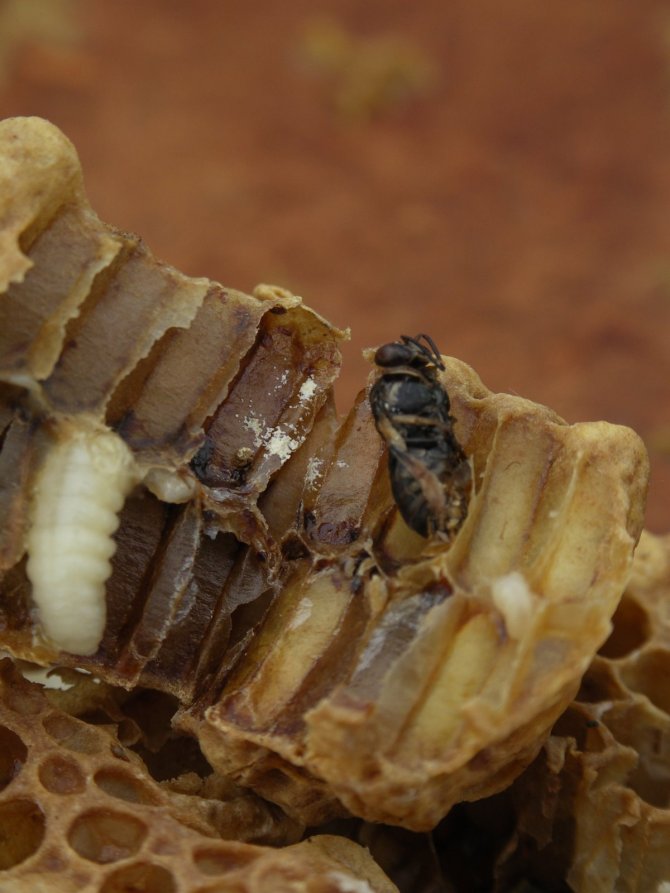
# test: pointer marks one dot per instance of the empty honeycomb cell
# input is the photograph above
(61, 775)
(25, 703)
(578, 724)
(141, 877)
(22, 826)
(104, 835)
(637, 725)
(594, 808)
(649, 787)
(13, 753)
(600, 684)
(212, 861)
(630, 629)
(650, 675)
(71, 733)
(121, 784)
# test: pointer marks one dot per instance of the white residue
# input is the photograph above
(46, 678)
(663, 887)
(341, 464)
(303, 613)
(278, 441)
(347, 884)
(313, 472)
(307, 389)
(255, 425)
(283, 378)
(281, 444)
(513, 598)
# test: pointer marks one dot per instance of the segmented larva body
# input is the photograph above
(79, 491)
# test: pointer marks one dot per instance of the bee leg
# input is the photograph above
(390, 434)
(424, 421)
(458, 493)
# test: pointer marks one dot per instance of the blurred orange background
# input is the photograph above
(496, 174)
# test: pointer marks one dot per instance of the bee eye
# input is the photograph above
(394, 354)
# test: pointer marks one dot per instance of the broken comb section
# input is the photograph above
(86, 814)
(606, 762)
(458, 658)
(322, 652)
(210, 392)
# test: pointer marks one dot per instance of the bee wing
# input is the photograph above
(431, 486)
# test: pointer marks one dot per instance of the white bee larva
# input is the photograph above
(78, 493)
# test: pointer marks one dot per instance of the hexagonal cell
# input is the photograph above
(229, 857)
(638, 726)
(650, 675)
(13, 753)
(139, 878)
(600, 684)
(61, 775)
(649, 787)
(630, 630)
(103, 835)
(118, 783)
(22, 826)
(22, 699)
(71, 733)
(577, 722)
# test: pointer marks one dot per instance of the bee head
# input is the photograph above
(409, 352)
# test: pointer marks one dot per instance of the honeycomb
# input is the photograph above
(185, 514)
(594, 808)
(79, 811)
(467, 654)
(591, 814)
